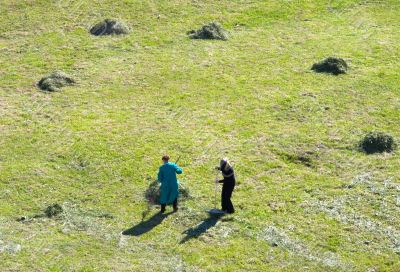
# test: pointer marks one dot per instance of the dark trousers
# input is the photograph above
(174, 204)
(226, 194)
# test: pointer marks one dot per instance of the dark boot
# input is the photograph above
(162, 208)
(175, 205)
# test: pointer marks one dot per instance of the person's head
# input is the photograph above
(224, 164)
(165, 158)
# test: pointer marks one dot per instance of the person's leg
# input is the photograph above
(175, 205)
(162, 208)
(163, 197)
(224, 198)
(229, 204)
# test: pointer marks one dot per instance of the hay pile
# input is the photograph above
(212, 31)
(377, 142)
(305, 158)
(331, 65)
(109, 27)
(53, 210)
(152, 193)
(55, 81)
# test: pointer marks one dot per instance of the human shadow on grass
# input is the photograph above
(146, 226)
(198, 230)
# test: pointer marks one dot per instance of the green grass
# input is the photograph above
(93, 147)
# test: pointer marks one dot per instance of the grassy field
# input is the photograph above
(306, 200)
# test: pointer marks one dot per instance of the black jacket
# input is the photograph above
(229, 176)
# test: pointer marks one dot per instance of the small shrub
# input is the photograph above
(109, 27)
(212, 31)
(53, 210)
(55, 81)
(377, 142)
(331, 65)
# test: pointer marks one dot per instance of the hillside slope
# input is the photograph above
(307, 198)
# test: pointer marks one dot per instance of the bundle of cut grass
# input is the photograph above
(331, 65)
(212, 31)
(55, 81)
(377, 142)
(109, 27)
(152, 193)
(53, 210)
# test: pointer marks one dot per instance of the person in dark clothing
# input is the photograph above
(228, 185)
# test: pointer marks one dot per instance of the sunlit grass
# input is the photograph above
(292, 134)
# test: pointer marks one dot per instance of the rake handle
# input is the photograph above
(215, 191)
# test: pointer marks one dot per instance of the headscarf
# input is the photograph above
(226, 168)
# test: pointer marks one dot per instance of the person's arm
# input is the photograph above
(217, 180)
(178, 170)
(225, 179)
(228, 178)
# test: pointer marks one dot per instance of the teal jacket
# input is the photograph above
(169, 183)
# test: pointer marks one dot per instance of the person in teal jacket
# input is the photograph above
(169, 183)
